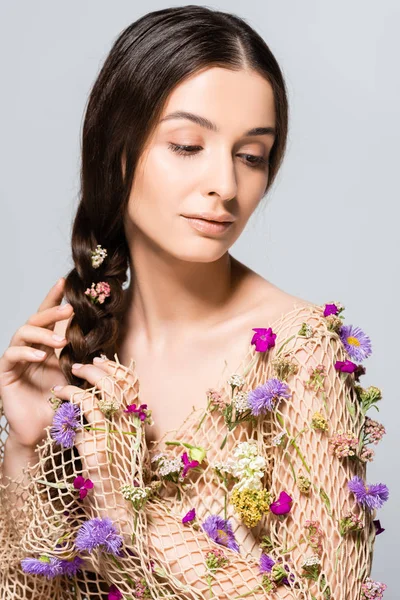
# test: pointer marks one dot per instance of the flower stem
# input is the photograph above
(58, 486)
(292, 442)
(284, 344)
(89, 428)
(258, 587)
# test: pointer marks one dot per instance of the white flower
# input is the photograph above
(311, 560)
(236, 380)
(278, 439)
(98, 256)
(240, 402)
(170, 465)
(246, 465)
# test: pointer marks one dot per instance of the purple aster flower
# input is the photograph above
(370, 497)
(98, 532)
(263, 339)
(190, 516)
(65, 424)
(266, 563)
(188, 464)
(378, 527)
(220, 530)
(267, 396)
(330, 309)
(356, 342)
(71, 567)
(83, 485)
(283, 505)
(345, 366)
(49, 566)
(114, 593)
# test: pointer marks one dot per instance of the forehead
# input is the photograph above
(230, 99)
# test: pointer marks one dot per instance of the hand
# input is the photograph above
(26, 379)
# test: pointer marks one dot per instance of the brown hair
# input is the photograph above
(147, 60)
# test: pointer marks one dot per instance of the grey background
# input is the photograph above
(330, 229)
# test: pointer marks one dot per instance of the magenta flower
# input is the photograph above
(140, 411)
(83, 485)
(188, 464)
(220, 530)
(98, 532)
(283, 505)
(267, 396)
(65, 424)
(263, 339)
(378, 528)
(114, 593)
(190, 516)
(356, 342)
(345, 366)
(371, 496)
(330, 309)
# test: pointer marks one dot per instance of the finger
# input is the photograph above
(17, 354)
(85, 399)
(31, 334)
(124, 376)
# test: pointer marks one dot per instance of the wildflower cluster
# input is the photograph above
(216, 559)
(141, 412)
(246, 466)
(372, 590)
(267, 396)
(343, 444)
(317, 378)
(350, 522)
(314, 535)
(373, 431)
(215, 399)
(284, 367)
(251, 504)
(306, 330)
(98, 292)
(368, 397)
(304, 484)
(333, 315)
(137, 495)
(98, 256)
(319, 422)
(274, 573)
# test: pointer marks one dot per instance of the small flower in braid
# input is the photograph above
(98, 256)
(98, 292)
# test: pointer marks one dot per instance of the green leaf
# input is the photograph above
(350, 407)
(326, 500)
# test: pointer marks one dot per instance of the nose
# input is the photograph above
(220, 177)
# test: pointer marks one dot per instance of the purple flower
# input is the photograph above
(370, 497)
(263, 339)
(220, 530)
(114, 593)
(49, 566)
(190, 516)
(378, 529)
(188, 464)
(71, 567)
(283, 505)
(98, 532)
(140, 411)
(83, 485)
(330, 309)
(65, 424)
(266, 563)
(267, 396)
(356, 342)
(345, 366)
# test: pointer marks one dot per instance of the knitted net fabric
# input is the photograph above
(163, 558)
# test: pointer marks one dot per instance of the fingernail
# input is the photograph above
(58, 338)
(98, 359)
(77, 365)
(39, 353)
(63, 306)
(57, 387)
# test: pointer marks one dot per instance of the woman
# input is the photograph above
(235, 464)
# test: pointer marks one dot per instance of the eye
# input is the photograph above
(253, 161)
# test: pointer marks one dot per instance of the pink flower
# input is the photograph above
(188, 464)
(190, 516)
(83, 485)
(263, 339)
(283, 505)
(114, 593)
(98, 292)
(346, 366)
(140, 411)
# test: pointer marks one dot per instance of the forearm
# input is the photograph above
(16, 458)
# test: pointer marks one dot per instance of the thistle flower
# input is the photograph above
(343, 444)
(319, 422)
(71, 567)
(83, 485)
(98, 292)
(372, 590)
(283, 505)
(220, 530)
(190, 516)
(284, 368)
(371, 496)
(250, 504)
(345, 366)
(356, 342)
(350, 522)
(263, 339)
(65, 424)
(49, 566)
(267, 396)
(98, 256)
(98, 533)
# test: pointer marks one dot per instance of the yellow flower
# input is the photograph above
(318, 421)
(303, 484)
(251, 504)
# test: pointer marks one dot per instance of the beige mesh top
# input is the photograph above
(265, 512)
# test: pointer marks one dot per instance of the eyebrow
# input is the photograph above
(207, 124)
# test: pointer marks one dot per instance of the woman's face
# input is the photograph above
(223, 172)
